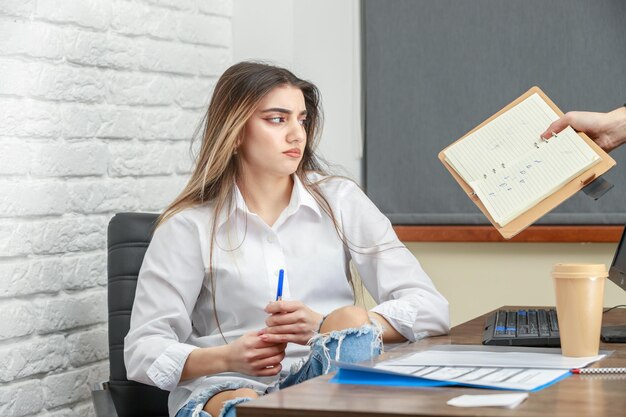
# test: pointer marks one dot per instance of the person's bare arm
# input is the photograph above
(608, 130)
(247, 355)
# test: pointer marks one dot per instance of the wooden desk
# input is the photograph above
(578, 395)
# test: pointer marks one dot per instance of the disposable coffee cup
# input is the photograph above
(579, 292)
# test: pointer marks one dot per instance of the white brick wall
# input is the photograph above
(98, 101)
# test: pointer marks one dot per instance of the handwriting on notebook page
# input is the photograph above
(510, 168)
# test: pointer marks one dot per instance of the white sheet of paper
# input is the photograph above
(494, 400)
(523, 379)
(502, 359)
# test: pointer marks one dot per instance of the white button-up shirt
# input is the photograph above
(173, 312)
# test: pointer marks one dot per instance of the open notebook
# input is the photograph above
(508, 170)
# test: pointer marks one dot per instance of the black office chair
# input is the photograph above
(128, 237)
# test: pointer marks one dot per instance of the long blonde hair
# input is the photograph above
(235, 98)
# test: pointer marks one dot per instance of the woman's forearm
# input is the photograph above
(205, 361)
(390, 334)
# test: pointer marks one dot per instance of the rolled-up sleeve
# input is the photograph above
(406, 295)
(168, 285)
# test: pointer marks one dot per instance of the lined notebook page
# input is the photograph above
(508, 165)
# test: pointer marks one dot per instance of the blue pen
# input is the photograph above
(279, 290)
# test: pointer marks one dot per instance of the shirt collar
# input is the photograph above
(299, 197)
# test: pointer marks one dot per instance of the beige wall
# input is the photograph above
(478, 277)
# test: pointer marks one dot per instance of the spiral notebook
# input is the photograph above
(514, 176)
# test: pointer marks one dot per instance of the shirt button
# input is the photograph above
(271, 238)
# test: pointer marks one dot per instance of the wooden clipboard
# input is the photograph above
(549, 203)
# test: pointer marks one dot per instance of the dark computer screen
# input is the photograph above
(617, 272)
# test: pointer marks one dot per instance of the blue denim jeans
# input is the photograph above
(194, 408)
(349, 345)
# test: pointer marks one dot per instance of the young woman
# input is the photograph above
(206, 324)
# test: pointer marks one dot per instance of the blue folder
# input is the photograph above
(350, 376)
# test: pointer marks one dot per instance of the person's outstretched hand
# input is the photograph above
(608, 130)
(290, 321)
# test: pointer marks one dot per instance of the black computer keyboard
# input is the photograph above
(529, 327)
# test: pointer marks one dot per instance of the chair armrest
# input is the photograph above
(102, 401)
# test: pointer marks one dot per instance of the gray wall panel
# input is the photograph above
(433, 70)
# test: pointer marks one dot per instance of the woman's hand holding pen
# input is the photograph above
(251, 355)
(290, 321)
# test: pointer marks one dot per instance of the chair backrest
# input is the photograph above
(128, 237)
